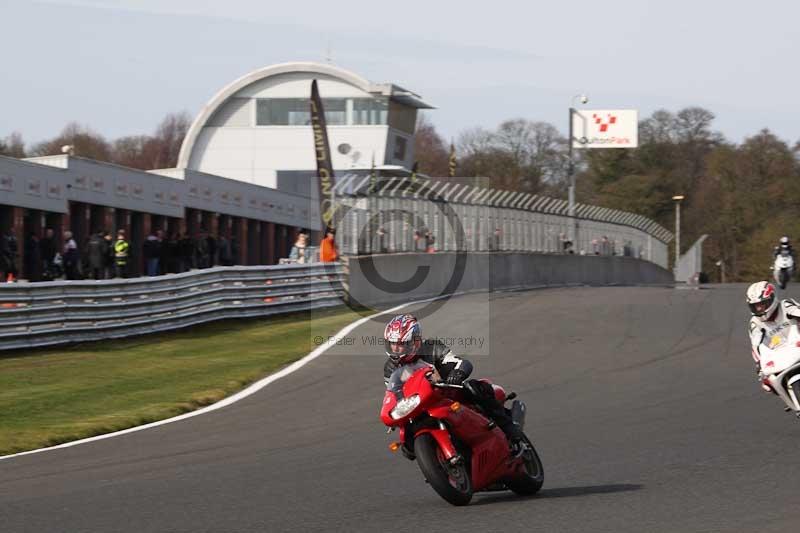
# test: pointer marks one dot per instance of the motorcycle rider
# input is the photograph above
(405, 346)
(783, 244)
(770, 317)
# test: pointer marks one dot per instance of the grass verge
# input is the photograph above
(51, 396)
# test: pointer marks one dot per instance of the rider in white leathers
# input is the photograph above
(770, 316)
(783, 244)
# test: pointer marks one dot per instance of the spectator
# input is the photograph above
(234, 250)
(383, 240)
(71, 257)
(605, 246)
(201, 250)
(212, 250)
(8, 265)
(108, 259)
(298, 253)
(429, 242)
(121, 251)
(327, 250)
(418, 241)
(97, 255)
(224, 247)
(185, 253)
(33, 258)
(151, 249)
(9, 250)
(169, 254)
(163, 253)
(495, 240)
(47, 250)
(566, 244)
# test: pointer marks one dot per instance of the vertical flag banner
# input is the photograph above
(323, 154)
(452, 162)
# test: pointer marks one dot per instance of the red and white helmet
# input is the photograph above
(403, 339)
(761, 299)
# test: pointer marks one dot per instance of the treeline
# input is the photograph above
(744, 196)
(146, 152)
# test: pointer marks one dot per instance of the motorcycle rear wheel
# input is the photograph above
(532, 478)
(451, 482)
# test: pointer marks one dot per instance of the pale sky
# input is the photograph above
(120, 65)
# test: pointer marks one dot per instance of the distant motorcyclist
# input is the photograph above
(770, 317)
(783, 244)
(405, 346)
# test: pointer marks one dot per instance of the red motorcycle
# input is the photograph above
(459, 450)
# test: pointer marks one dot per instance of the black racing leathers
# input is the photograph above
(480, 393)
(437, 354)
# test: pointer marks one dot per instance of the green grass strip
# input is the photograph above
(51, 396)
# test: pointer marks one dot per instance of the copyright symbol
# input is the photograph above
(319, 339)
(366, 231)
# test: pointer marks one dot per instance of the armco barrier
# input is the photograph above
(447, 273)
(41, 314)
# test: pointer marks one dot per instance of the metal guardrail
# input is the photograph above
(49, 313)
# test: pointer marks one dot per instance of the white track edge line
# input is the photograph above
(244, 393)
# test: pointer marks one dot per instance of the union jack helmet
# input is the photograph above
(400, 337)
(761, 299)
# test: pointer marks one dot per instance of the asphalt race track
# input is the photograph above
(642, 403)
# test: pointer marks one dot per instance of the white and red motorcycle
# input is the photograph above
(783, 268)
(780, 366)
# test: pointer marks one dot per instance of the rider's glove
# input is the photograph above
(456, 377)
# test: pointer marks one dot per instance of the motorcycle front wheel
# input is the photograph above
(451, 482)
(532, 478)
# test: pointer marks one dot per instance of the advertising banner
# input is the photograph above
(605, 128)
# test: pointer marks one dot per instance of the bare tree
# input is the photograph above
(520, 155)
(430, 149)
(85, 143)
(169, 138)
(132, 151)
(13, 145)
(658, 128)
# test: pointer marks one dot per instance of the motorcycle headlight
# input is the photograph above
(405, 406)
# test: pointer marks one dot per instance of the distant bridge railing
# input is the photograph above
(383, 214)
(49, 313)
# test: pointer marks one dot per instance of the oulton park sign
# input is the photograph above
(605, 128)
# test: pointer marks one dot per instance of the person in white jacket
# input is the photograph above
(770, 317)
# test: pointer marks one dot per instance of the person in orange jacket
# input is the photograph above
(327, 249)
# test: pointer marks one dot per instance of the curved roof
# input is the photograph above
(283, 68)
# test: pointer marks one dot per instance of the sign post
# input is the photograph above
(597, 128)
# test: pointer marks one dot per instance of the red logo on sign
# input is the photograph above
(604, 124)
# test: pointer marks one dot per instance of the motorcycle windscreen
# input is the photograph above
(402, 373)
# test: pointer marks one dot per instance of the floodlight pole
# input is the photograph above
(677, 199)
(571, 167)
(571, 174)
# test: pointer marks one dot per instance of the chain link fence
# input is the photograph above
(402, 214)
